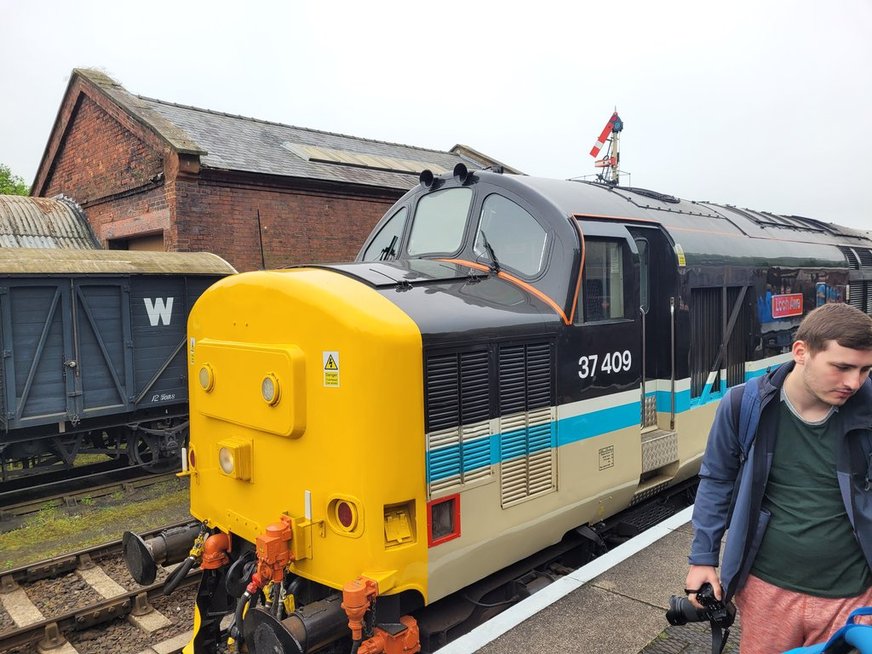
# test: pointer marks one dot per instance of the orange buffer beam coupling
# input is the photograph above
(357, 598)
(274, 551)
(215, 551)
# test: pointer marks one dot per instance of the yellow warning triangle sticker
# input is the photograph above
(331, 364)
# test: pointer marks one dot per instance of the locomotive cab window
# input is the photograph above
(440, 222)
(604, 279)
(385, 245)
(516, 238)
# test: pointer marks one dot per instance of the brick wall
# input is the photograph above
(132, 184)
(297, 226)
(130, 216)
(99, 157)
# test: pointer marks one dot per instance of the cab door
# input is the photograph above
(621, 349)
(606, 335)
(658, 300)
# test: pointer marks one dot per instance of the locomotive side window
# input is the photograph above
(440, 222)
(517, 240)
(386, 243)
(603, 279)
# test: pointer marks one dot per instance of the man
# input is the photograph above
(799, 551)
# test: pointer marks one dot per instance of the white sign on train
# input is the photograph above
(609, 363)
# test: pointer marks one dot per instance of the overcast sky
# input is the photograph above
(765, 104)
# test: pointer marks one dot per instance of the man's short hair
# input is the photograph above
(842, 323)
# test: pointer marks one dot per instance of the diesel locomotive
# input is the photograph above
(94, 354)
(509, 360)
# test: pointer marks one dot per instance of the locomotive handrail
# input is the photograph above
(644, 367)
(672, 363)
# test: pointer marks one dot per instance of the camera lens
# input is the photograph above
(681, 611)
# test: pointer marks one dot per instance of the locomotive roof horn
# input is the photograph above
(426, 177)
(462, 173)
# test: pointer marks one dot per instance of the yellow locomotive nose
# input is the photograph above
(283, 423)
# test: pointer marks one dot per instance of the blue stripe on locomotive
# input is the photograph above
(499, 448)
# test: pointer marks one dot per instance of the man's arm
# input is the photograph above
(720, 467)
(697, 576)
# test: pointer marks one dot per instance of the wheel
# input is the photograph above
(145, 450)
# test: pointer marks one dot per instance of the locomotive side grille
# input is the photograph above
(865, 256)
(853, 260)
(736, 352)
(460, 397)
(525, 377)
(512, 380)
(474, 391)
(539, 376)
(528, 456)
(712, 310)
(706, 324)
(458, 419)
(860, 296)
(527, 432)
(855, 295)
(443, 386)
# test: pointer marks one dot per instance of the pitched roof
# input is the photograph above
(51, 223)
(95, 262)
(237, 143)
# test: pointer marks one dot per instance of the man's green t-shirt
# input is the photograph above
(809, 545)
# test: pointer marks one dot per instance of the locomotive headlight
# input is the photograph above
(270, 390)
(206, 377)
(234, 458)
(226, 460)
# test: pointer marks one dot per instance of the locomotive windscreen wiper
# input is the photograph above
(490, 251)
(389, 250)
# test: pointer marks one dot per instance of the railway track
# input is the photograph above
(85, 602)
(18, 499)
(15, 504)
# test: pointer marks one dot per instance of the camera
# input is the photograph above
(681, 611)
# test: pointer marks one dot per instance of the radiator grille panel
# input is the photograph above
(465, 392)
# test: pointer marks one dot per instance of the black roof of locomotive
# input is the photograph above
(709, 233)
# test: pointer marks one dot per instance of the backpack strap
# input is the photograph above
(741, 408)
(741, 399)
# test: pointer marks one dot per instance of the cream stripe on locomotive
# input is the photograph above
(596, 464)
(523, 443)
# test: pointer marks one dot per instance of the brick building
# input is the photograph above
(156, 175)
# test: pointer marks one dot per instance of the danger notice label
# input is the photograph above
(331, 369)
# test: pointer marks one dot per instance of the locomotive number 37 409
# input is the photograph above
(611, 362)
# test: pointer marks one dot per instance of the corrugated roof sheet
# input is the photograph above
(44, 261)
(54, 223)
(247, 144)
